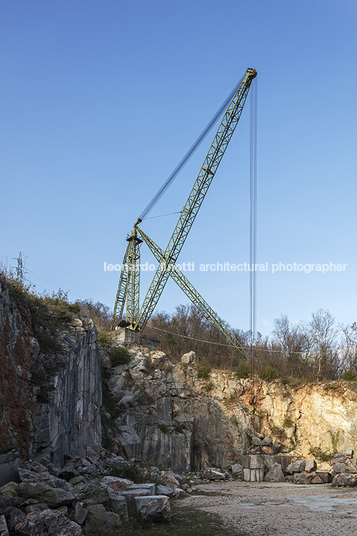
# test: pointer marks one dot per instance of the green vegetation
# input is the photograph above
(185, 521)
(203, 370)
(118, 355)
(127, 470)
(288, 422)
(349, 375)
(321, 455)
(243, 370)
(208, 387)
(268, 373)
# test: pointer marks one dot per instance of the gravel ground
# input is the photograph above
(267, 509)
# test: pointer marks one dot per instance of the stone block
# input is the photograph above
(151, 488)
(130, 495)
(256, 462)
(246, 474)
(153, 508)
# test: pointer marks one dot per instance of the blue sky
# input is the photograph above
(100, 100)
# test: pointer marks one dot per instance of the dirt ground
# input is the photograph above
(284, 509)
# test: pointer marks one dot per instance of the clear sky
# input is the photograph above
(99, 100)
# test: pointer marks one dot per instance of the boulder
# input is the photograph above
(317, 479)
(307, 478)
(345, 479)
(237, 469)
(117, 483)
(6, 503)
(268, 440)
(80, 513)
(48, 522)
(310, 466)
(154, 508)
(14, 518)
(189, 358)
(347, 453)
(275, 474)
(168, 479)
(296, 467)
(159, 359)
(9, 489)
(9, 465)
(325, 476)
(3, 526)
(100, 520)
(165, 490)
(256, 441)
(54, 497)
(44, 477)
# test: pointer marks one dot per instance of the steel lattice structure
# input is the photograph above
(128, 289)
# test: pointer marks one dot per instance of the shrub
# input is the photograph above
(104, 338)
(349, 375)
(203, 371)
(268, 373)
(118, 355)
(242, 371)
(127, 470)
(288, 422)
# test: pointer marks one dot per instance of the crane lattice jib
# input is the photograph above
(122, 291)
(197, 195)
(133, 295)
(129, 284)
(192, 293)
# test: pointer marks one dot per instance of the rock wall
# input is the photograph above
(169, 417)
(49, 401)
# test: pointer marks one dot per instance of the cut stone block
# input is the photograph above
(153, 508)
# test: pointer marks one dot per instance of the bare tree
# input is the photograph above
(324, 340)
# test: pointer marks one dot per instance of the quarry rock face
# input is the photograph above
(49, 401)
(155, 411)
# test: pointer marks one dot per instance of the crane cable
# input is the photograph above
(189, 153)
(253, 209)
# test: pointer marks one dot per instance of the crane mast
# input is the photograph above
(128, 285)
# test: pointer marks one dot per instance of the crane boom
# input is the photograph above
(190, 291)
(196, 197)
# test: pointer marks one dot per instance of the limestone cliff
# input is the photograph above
(165, 415)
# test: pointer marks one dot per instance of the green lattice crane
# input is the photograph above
(128, 289)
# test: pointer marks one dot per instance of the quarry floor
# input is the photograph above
(283, 509)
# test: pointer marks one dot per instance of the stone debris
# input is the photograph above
(213, 474)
